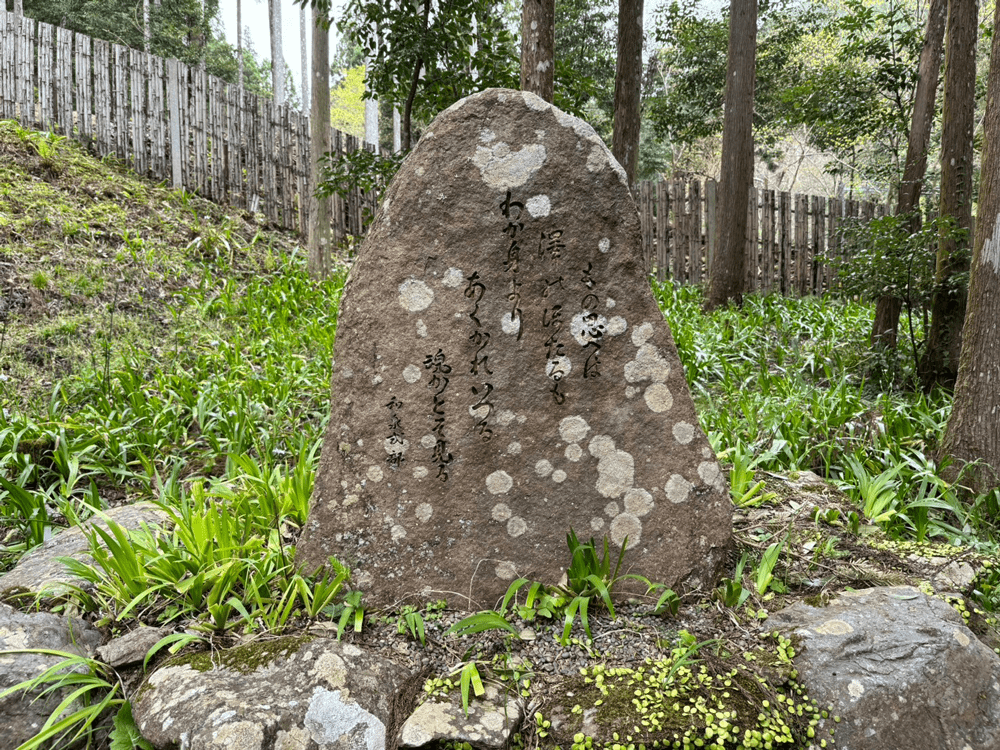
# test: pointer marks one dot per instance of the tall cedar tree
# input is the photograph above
(320, 240)
(888, 307)
(538, 42)
(628, 80)
(277, 58)
(973, 431)
(729, 264)
(944, 341)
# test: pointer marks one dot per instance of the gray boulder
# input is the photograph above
(492, 720)
(899, 668)
(40, 571)
(298, 693)
(23, 714)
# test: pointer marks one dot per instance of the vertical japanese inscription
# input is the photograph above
(439, 384)
(512, 211)
(480, 366)
(395, 440)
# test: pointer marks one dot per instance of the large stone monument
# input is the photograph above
(503, 374)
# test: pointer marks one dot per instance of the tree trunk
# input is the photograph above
(239, 46)
(888, 308)
(418, 65)
(944, 341)
(628, 80)
(729, 264)
(320, 241)
(277, 58)
(538, 43)
(973, 431)
(306, 101)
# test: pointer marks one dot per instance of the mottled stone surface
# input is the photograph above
(23, 714)
(492, 720)
(284, 694)
(40, 569)
(503, 374)
(131, 647)
(900, 669)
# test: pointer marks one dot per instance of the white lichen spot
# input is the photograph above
(588, 327)
(331, 717)
(834, 627)
(510, 325)
(677, 488)
(638, 502)
(350, 499)
(453, 278)
(503, 169)
(543, 65)
(506, 570)
(631, 391)
(514, 448)
(419, 472)
(962, 638)
(415, 295)
(501, 512)
(420, 171)
(991, 247)
(558, 368)
(609, 303)
(374, 473)
(617, 325)
(522, 418)
(535, 102)
(856, 689)
(558, 476)
(499, 483)
(543, 468)
(487, 136)
(574, 452)
(596, 523)
(347, 373)
(658, 398)
(398, 532)
(626, 526)
(604, 245)
(421, 329)
(376, 379)
(601, 446)
(424, 512)
(642, 334)
(709, 471)
(393, 448)
(411, 374)
(573, 429)
(516, 526)
(428, 441)
(647, 365)
(479, 412)
(615, 473)
(505, 417)
(538, 206)
(683, 433)
(611, 510)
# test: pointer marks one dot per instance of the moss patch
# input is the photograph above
(245, 659)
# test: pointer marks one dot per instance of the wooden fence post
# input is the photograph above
(121, 115)
(785, 247)
(137, 98)
(694, 235)
(84, 90)
(680, 244)
(711, 223)
(767, 241)
(662, 230)
(646, 222)
(46, 60)
(24, 81)
(8, 51)
(157, 126)
(103, 97)
(64, 81)
(752, 260)
(174, 107)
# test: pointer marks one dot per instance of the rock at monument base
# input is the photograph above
(23, 715)
(40, 571)
(503, 375)
(293, 692)
(491, 722)
(899, 668)
(132, 647)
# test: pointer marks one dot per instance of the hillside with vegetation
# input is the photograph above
(156, 349)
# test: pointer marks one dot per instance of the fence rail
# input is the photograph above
(787, 235)
(167, 121)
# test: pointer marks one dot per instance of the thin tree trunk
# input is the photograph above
(306, 101)
(973, 431)
(277, 58)
(728, 266)
(944, 341)
(888, 307)
(320, 241)
(538, 43)
(414, 83)
(628, 80)
(239, 45)
(145, 25)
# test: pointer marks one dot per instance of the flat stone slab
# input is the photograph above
(293, 692)
(40, 571)
(492, 720)
(900, 668)
(22, 715)
(503, 375)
